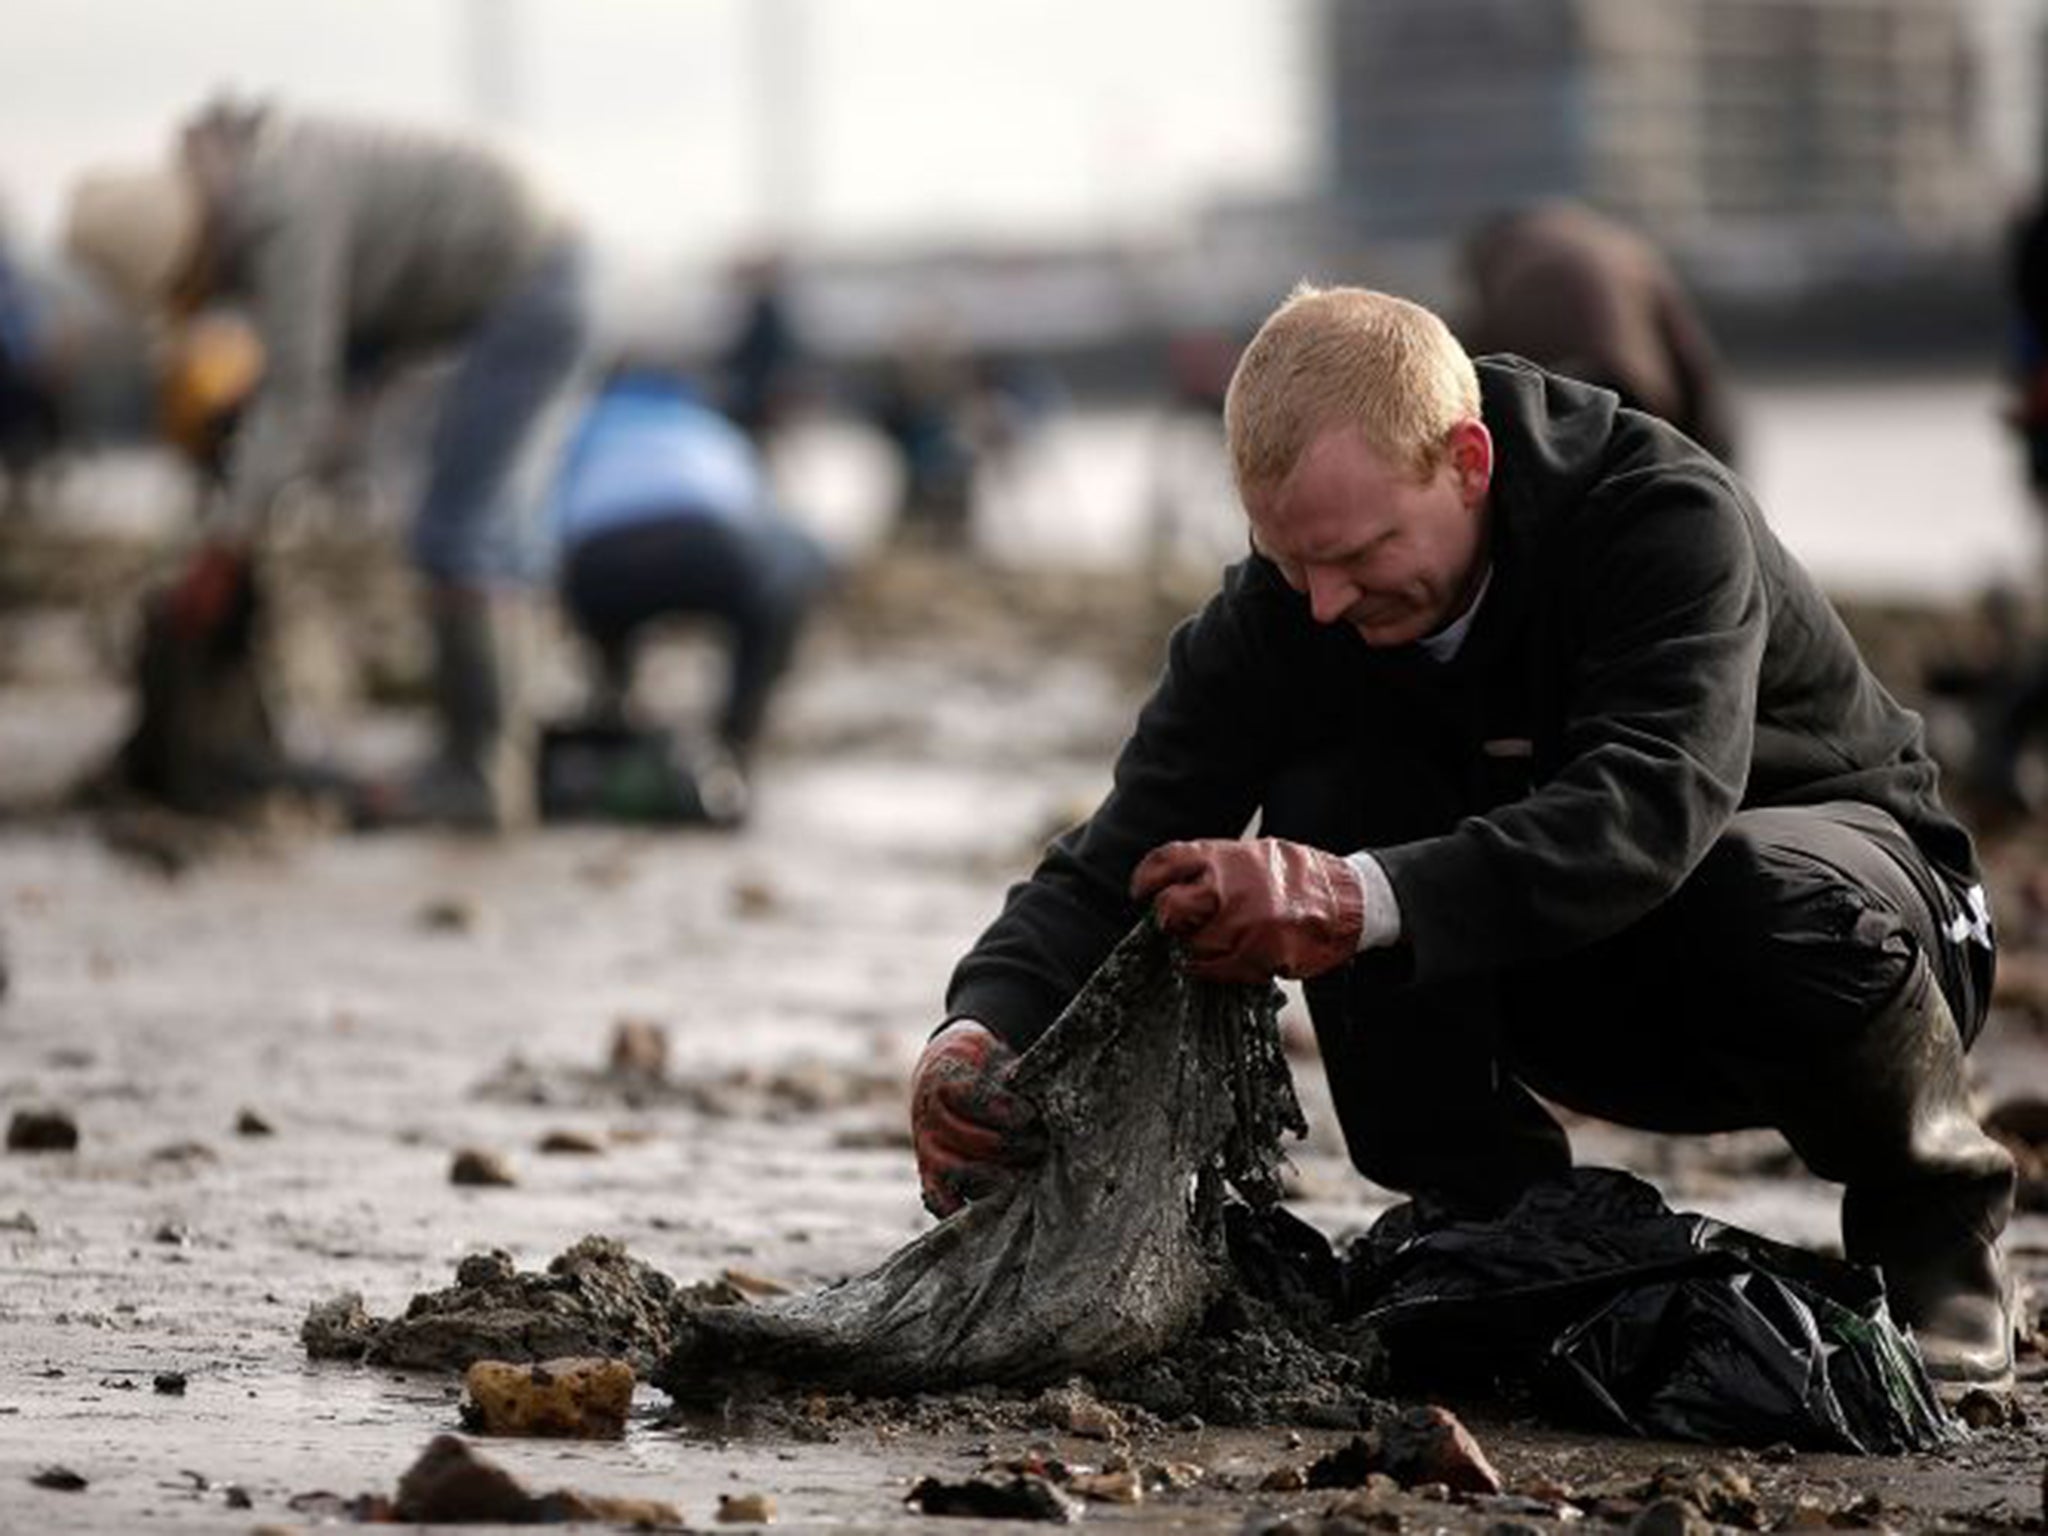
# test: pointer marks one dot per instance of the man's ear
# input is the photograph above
(1471, 458)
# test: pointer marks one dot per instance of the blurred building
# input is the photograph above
(1777, 141)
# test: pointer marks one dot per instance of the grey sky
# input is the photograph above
(915, 118)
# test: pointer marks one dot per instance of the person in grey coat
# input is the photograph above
(1568, 784)
(355, 249)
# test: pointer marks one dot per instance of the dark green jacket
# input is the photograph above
(1666, 659)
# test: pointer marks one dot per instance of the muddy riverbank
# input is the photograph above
(378, 1005)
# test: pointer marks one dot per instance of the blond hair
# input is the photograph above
(1346, 356)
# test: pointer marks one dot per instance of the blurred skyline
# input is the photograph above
(690, 129)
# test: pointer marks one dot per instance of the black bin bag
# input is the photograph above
(1621, 1314)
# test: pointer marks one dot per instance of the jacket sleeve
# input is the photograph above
(295, 255)
(1194, 766)
(1660, 704)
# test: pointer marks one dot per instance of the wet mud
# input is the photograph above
(593, 1299)
(282, 972)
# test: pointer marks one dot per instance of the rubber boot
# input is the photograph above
(1928, 1192)
(482, 777)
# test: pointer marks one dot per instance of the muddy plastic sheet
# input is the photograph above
(1157, 1091)
(1624, 1315)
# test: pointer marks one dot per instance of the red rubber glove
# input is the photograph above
(1250, 909)
(205, 593)
(972, 1134)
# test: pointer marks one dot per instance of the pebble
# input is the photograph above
(474, 1166)
(42, 1130)
(745, 1509)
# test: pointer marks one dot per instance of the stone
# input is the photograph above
(577, 1398)
(482, 1169)
(42, 1130)
(980, 1498)
(171, 1383)
(571, 1143)
(1122, 1487)
(745, 1509)
(338, 1328)
(1078, 1412)
(448, 914)
(1982, 1409)
(1430, 1445)
(59, 1479)
(1348, 1466)
(249, 1123)
(639, 1050)
(450, 1483)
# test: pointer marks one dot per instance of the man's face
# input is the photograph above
(1371, 545)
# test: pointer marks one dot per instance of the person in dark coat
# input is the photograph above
(1568, 781)
(1574, 291)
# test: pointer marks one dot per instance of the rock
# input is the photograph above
(450, 1483)
(593, 1300)
(249, 1123)
(1288, 1479)
(1429, 1445)
(639, 1050)
(1806, 1514)
(474, 1166)
(338, 1328)
(1073, 1409)
(485, 1269)
(571, 1143)
(42, 1130)
(980, 1498)
(1982, 1409)
(1719, 1492)
(448, 914)
(61, 1479)
(20, 1221)
(1121, 1487)
(581, 1398)
(1174, 1476)
(754, 896)
(1670, 1517)
(1349, 1466)
(745, 1509)
(171, 1383)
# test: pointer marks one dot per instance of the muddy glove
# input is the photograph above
(205, 594)
(972, 1134)
(1252, 909)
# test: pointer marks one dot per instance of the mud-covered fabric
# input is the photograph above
(1156, 1091)
(1649, 660)
(1627, 1316)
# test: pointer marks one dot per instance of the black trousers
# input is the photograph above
(1798, 926)
(756, 580)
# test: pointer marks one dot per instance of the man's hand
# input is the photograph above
(1252, 909)
(972, 1134)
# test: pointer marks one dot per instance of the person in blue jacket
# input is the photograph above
(664, 511)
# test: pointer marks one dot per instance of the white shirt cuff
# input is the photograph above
(1382, 912)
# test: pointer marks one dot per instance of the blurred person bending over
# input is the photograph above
(1576, 292)
(1568, 782)
(664, 511)
(354, 249)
